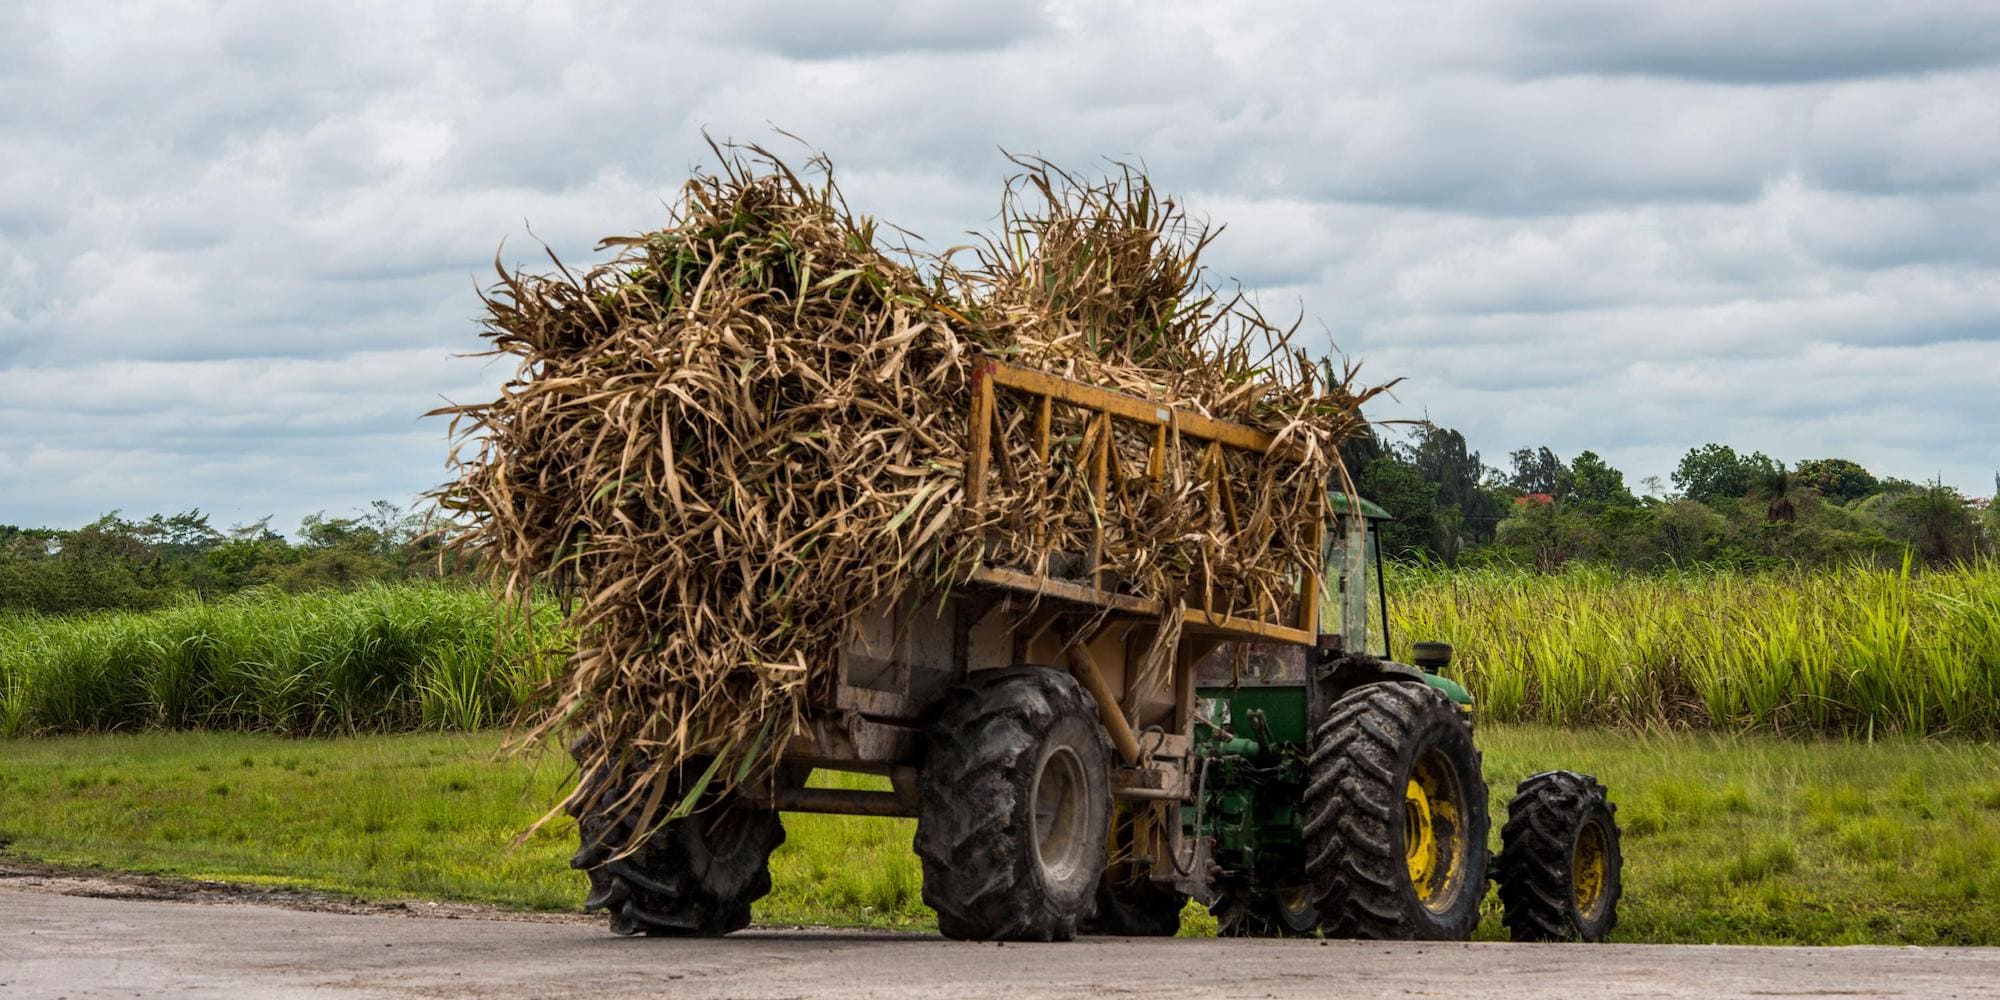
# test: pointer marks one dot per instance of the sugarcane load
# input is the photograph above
(1049, 532)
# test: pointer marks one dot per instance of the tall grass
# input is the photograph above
(1853, 651)
(379, 658)
(1856, 651)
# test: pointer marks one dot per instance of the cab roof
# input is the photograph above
(1339, 500)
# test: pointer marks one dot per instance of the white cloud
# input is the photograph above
(237, 243)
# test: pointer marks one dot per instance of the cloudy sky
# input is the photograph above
(239, 242)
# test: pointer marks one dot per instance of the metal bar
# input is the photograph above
(1309, 588)
(1157, 466)
(1200, 620)
(1382, 592)
(1042, 428)
(1085, 668)
(1063, 590)
(841, 801)
(1148, 794)
(982, 434)
(1099, 468)
(1132, 408)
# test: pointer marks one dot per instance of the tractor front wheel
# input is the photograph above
(1016, 808)
(1560, 866)
(1396, 817)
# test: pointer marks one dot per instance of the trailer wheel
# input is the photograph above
(1016, 807)
(1396, 818)
(1560, 867)
(694, 877)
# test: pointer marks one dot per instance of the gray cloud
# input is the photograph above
(238, 244)
(1782, 42)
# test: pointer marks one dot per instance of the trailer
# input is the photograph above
(1082, 758)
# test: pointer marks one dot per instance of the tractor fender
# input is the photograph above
(1348, 672)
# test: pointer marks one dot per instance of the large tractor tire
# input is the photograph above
(694, 877)
(1560, 869)
(1016, 808)
(1396, 818)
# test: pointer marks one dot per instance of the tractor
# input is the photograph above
(1280, 771)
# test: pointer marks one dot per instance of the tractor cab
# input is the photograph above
(1353, 555)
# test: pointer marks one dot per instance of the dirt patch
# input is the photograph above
(63, 880)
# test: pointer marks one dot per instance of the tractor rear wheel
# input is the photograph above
(694, 877)
(1559, 865)
(1016, 808)
(1396, 817)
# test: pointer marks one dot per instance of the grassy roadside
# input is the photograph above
(1728, 839)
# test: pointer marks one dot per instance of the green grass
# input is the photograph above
(379, 658)
(1856, 651)
(1728, 838)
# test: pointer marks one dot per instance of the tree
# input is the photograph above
(1937, 522)
(1777, 488)
(1466, 509)
(1539, 470)
(1548, 533)
(1596, 484)
(1836, 479)
(1714, 474)
(1401, 491)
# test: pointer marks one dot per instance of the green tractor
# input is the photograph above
(1339, 792)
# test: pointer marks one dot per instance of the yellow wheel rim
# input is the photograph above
(1590, 871)
(1433, 838)
(1419, 840)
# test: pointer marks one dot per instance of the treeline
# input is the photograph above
(1724, 509)
(116, 563)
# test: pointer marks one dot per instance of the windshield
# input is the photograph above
(1343, 606)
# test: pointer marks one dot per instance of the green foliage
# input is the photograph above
(1857, 650)
(1595, 484)
(113, 563)
(1836, 479)
(1539, 470)
(378, 658)
(1714, 474)
(1401, 491)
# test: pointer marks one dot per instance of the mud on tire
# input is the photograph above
(1560, 865)
(1016, 807)
(695, 877)
(1396, 818)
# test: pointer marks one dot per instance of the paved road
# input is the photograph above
(71, 946)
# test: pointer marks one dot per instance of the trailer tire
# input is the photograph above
(1560, 866)
(1396, 818)
(1015, 808)
(694, 877)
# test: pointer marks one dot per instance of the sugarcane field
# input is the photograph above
(965, 500)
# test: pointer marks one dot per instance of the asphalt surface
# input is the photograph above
(83, 946)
